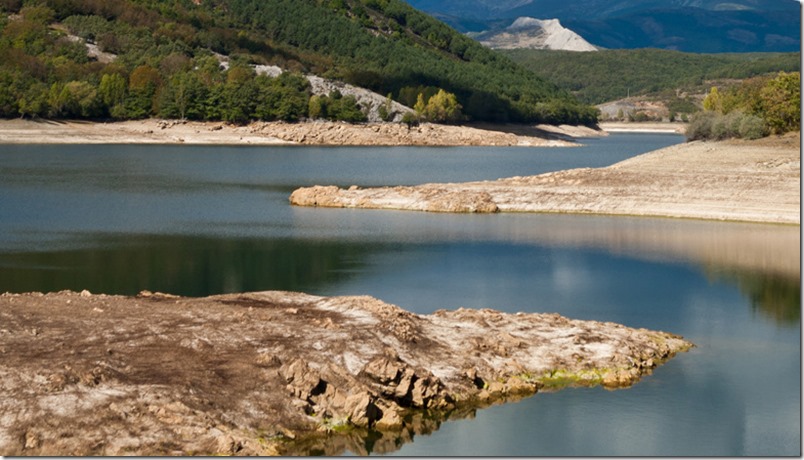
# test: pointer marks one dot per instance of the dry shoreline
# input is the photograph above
(279, 373)
(751, 181)
(153, 131)
(643, 127)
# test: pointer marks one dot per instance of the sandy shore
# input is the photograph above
(277, 133)
(269, 373)
(752, 181)
(643, 127)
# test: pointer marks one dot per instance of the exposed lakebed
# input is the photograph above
(207, 220)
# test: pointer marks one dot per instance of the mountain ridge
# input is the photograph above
(699, 26)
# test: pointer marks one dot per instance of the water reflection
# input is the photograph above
(760, 247)
(199, 221)
(181, 265)
(395, 256)
(372, 442)
(774, 296)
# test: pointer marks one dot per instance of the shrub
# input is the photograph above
(714, 126)
(410, 119)
(700, 127)
(753, 127)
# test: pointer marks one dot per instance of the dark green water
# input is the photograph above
(207, 220)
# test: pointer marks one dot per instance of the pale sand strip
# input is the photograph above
(154, 131)
(643, 127)
(757, 181)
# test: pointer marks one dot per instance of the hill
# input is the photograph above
(168, 55)
(701, 26)
(610, 75)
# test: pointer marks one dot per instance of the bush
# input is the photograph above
(714, 126)
(410, 119)
(700, 127)
(753, 127)
(336, 107)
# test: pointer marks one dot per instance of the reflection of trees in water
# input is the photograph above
(367, 442)
(182, 265)
(364, 441)
(774, 296)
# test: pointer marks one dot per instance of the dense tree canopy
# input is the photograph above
(609, 75)
(166, 60)
(751, 109)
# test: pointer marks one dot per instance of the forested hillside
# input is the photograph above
(609, 75)
(162, 58)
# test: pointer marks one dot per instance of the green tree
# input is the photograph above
(285, 97)
(182, 97)
(420, 106)
(317, 107)
(112, 92)
(33, 102)
(781, 102)
(386, 109)
(443, 107)
(410, 119)
(8, 98)
(81, 100)
(142, 85)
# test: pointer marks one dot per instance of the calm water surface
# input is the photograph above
(208, 220)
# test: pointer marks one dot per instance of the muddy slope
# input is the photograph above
(278, 372)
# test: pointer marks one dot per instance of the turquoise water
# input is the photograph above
(207, 220)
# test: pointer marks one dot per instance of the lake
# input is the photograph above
(201, 220)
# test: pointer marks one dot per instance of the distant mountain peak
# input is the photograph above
(526, 32)
(697, 26)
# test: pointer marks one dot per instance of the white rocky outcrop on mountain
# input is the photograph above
(369, 101)
(537, 34)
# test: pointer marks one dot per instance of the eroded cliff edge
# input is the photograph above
(279, 372)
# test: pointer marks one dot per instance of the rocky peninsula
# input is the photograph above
(269, 373)
(752, 181)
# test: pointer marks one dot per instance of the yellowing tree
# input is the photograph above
(781, 102)
(712, 101)
(441, 107)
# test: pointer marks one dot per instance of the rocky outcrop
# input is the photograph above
(369, 101)
(534, 33)
(423, 198)
(271, 373)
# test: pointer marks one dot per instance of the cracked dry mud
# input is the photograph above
(278, 372)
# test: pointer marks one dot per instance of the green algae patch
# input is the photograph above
(562, 378)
